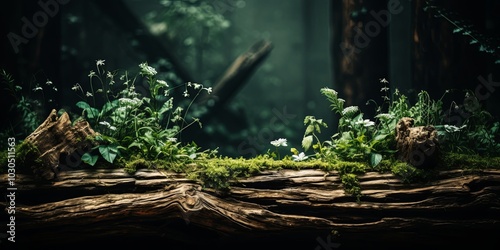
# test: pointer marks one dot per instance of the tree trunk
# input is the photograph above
(306, 208)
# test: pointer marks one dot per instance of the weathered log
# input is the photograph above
(57, 138)
(84, 206)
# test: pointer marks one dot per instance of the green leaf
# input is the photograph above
(108, 106)
(309, 129)
(89, 159)
(317, 127)
(92, 113)
(380, 137)
(375, 159)
(307, 142)
(83, 105)
(108, 152)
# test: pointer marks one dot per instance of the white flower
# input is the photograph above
(77, 87)
(91, 73)
(279, 142)
(197, 85)
(365, 123)
(173, 139)
(350, 111)
(49, 82)
(147, 70)
(130, 102)
(89, 94)
(185, 94)
(383, 80)
(300, 157)
(37, 88)
(209, 89)
(162, 83)
(112, 128)
(99, 62)
(54, 88)
(105, 123)
(109, 75)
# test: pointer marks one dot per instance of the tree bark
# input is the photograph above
(307, 207)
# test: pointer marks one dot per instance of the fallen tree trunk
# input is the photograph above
(306, 208)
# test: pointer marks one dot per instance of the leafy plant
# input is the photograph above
(134, 122)
(29, 104)
(468, 128)
(356, 138)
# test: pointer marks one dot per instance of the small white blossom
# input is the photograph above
(173, 139)
(112, 128)
(300, 157)
(130, 102)
(37, 88)
(105, 123)
(351, 110)
(109, 75)
(383, 80)
(279, 142)
(197, 86)
(99, 62)
(54, 88)
(49, 82)
(185, 94)
(147, 70)
(209, 90)
(365, 123)
(91, 73)
(77, 87)
(89, 94)
(162, 83)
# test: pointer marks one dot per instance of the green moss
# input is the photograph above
(27, 156)
(471, 162)
(409, 173)
(138, 163)
(351, 185)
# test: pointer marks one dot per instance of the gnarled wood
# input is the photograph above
(86, 205)
(57, 138)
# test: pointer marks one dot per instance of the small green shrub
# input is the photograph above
(141, 122)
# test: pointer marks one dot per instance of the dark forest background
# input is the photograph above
(345, 45)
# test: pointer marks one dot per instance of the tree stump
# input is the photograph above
(59, 143)
(417, 145)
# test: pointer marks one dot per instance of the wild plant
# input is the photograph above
(356, 138)
(133, 122)
(29, 103)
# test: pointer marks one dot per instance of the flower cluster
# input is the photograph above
(280, 142)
